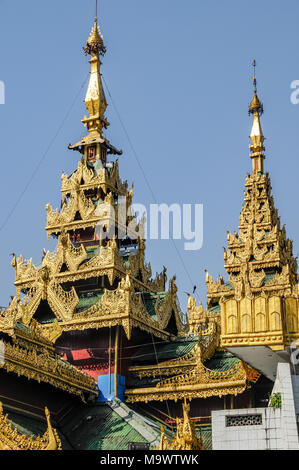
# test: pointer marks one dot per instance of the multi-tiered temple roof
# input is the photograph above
(92, 322)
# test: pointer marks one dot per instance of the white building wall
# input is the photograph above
(278, 428)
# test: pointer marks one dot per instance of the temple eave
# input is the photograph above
(191, 391)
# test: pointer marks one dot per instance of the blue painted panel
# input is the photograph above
(103, 384)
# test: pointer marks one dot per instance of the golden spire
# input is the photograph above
(95, 100)
(256, 136)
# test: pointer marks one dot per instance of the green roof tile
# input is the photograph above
(229, 285)
(268, 277)
(222, 360)
(149, 299)
(98, 427)
(205, 432)
(215, 309)
(88, 301)
(163, 351)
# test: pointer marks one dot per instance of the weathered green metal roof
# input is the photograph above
(163, 351)
(88, 300)
(229, 285)
(21, 326)
(205, 432)
(222, 360)
(91, 252)
(135, 382)
(268, 277)
(150, 299)
(98, 427)
(215, 309)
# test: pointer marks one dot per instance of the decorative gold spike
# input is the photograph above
(10, 439)
(256, 136)
(185, 438)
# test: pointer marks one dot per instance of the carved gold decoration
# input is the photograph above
(251, 374)
(115, 307)
(186, 438)
(85, 178)
(10, 439)
(199, 383)
(95, 100)
(123, 307)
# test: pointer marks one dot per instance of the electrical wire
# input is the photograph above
(154, 198)
(35, 171)
(125, 347)
(143, 173)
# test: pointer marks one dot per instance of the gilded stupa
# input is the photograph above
(258, 304)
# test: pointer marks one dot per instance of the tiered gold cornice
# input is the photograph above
(85, 178)
(165, 368)
(30, 355)
(259, 304)
(114, 307)
(194, 379)
(126, 308)
(10, 439)
(75, 200)
(208, 341)
(200, 382)
(107, 260)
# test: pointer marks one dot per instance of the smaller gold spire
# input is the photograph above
(256, 136)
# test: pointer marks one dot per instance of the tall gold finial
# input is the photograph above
(95, 100)
(255, 104)
(256, 136)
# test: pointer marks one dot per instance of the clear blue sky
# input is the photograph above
(180, 75)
